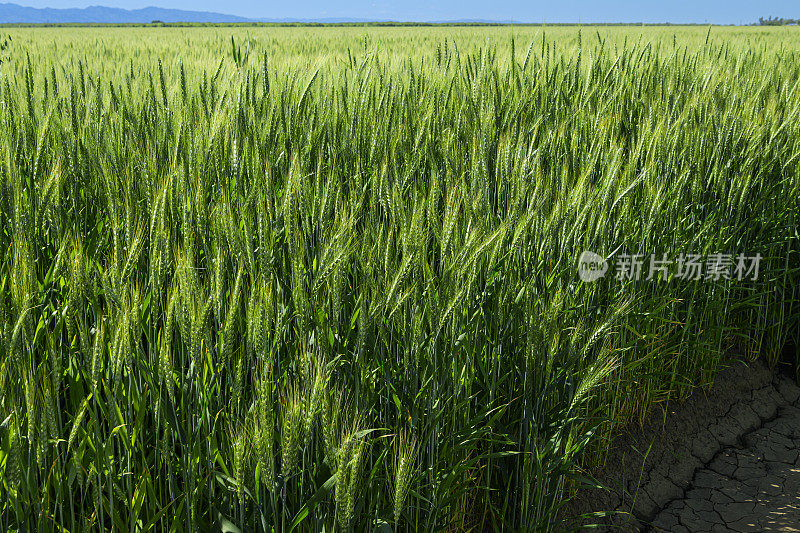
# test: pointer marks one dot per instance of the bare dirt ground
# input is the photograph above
(726, 459)
(752, 487)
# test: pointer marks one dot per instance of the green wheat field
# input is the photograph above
(305, 279)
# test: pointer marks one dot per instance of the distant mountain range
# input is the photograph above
(17, 14)
(13, 13)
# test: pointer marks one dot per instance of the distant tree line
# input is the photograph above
(770, 21)
(159, 23)
(776, 21)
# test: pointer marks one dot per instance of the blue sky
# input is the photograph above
(586, 11)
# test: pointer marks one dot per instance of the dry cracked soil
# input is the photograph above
(751, 487)
(726, 459)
